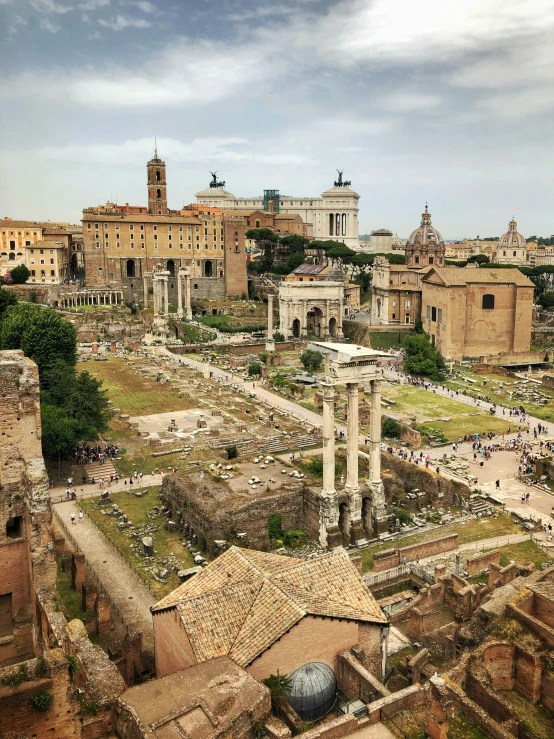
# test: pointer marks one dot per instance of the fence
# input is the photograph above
(407, 569)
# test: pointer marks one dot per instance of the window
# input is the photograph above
(51, 261)
(32, 251)
(169, 237)
(169, 228)
(433, 313)
(98, 245)
(89, 226)
(32, 273)
(155, 228)
(52, 273)
(131, 227)
(14, 527)
(105, 227)
(488, 302)
(503, 253)
(417, 260)
(117, 226)
(51, 251)
(158, 194)
(155, 237)
(428, 311)
(515, 254)
(96, 235)
(117, 245)
(107, 244)
(407, 305)
(142, 237)
(142, 226)
(431, 260)
(96, 226)
(439, 316)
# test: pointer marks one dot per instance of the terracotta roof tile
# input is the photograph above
(473, 275)
(245, 600)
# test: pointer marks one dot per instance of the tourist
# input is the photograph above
(497, 484)
(80, 516)
(72, 518)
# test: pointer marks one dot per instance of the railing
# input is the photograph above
(408, 569)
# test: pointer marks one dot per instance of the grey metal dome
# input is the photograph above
(313, 692)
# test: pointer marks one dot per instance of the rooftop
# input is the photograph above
(490, 275)
(245, 600)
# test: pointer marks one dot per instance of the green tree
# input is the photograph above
(479, 259)
(279, 685)
(361, 268)
(266, 239)
(40, 333)
(20, 274)
(254, 369)
(7, 298)
(422, 358)
(311, 359)
(59, 432)
(340, 254)
(546, 299)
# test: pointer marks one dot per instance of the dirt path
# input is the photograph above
(126, 590)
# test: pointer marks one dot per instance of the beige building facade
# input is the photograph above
(477, 312)
(511, 247)
(381, 241)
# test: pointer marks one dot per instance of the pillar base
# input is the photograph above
(357, 531)
(270, 345)
(334, 537)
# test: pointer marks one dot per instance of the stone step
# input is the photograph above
(96, 470)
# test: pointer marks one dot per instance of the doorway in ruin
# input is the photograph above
(296, 328)
(315, 322)
(344, 523)
(333, 327)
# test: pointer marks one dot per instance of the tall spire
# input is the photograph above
(155, 148)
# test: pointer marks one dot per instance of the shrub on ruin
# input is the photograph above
(15, 678)
(72, 666)
(295, 538)
(546, 299)
(232, 452)
(254, 369)
(42, 701)
(390, 428)
(402, 515)
(279, 685)
(278, 336)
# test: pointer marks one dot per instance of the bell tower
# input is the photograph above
(157, 186)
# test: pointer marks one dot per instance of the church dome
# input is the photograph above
(426, 235)
(512, 238)
(313, 691)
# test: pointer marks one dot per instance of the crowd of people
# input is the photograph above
(86, 453)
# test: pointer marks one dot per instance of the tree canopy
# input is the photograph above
(546, 299)
(20, 274)
(311, 359)
(422, 358)
(7, 298)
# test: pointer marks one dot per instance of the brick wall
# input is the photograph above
(480, 562)
(173, 650)
(355, 681)
(544, 632)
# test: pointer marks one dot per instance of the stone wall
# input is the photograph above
(481, 562)
(355, 681)
(389, 558)
(400, 477)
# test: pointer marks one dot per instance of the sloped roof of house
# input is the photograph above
(245, 600)
(469, 276)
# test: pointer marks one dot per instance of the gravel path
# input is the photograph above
(126, 590)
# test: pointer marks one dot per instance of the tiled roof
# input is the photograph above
(6, 223)
(473, 275)
(245, 600)
(309, 269)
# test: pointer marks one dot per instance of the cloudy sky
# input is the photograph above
(446, 100)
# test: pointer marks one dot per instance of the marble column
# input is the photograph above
(145, 290)
(166, 296)
(375, 483)
(179, 294)
(188, 304)
(352, 437)
(270, 343)
(155, 296)
(329, 533)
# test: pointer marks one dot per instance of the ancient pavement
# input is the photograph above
(126, 590)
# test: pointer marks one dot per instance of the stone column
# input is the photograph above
(270, 343)
(145, 290)
(352, 482)
(188, 306)
(155, 283)
(340, 334)
(166, 296)
(376, 484)
(329, 533)
(179, 294)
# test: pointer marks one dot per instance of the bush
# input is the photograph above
(315, 466)
(402, 515)
(279, 685)
(263, 357)
(278, 336)
(20, 274)
(33, 297)
(254, 369)
(42, 701)
(546, 299)
(15, 678)
(275, 526)
(422, 358)
(390, 428)
(72, 666)
(295, 538)
(232, 452)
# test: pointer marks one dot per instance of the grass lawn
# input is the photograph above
(536, 717)
(235, 324)
(71, 600)
(498, 393)
(164, 541)
(523, 553)
(196, 335)
(450, 416)
(386, 340)
(473, 530)
(131, 392)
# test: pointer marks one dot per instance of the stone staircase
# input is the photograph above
(97, 470)
(302, 442)
(479, 506)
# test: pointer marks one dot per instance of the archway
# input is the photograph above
(171, 267)
(208, 268)
(367, 521)
(12, 256)
(130, 267)
(333, 327)
(344, 523)
(296, 328)
(315, 321)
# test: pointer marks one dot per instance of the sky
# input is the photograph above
(445, 101)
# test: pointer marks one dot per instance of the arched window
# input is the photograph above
(208, 268)
(158, 176)
(130, 266)
(159, 193)
(257, 224)
(171, 267)
(488, 302)
(331, 224)
(12, 256)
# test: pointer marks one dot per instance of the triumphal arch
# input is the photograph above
(314, 308)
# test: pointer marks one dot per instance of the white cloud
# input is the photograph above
(47, 25)
(50, 6)
(405, 100)
(20, 20)
(121, 22)
(144, 5)
(94, 4)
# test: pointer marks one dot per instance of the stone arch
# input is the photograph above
(315, 322)
(208, 268)
(170, 266)
(333, 327)
(296, 328)
(344, 523)
(130, 268)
